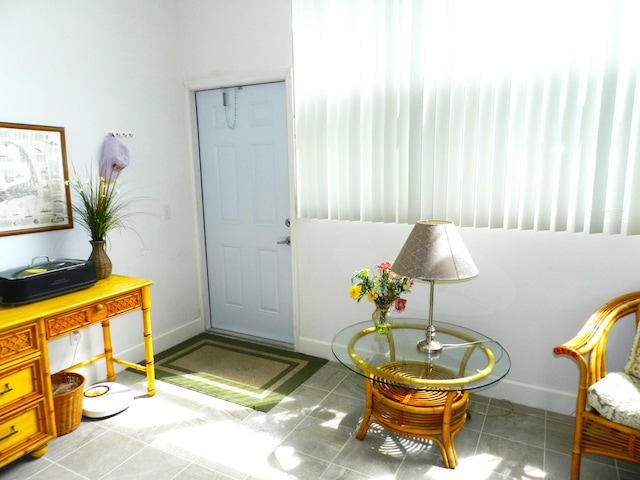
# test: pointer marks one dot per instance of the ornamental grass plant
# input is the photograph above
(101, 208)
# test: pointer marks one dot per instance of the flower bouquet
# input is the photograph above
(384, 288)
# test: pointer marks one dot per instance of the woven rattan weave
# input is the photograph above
(67, 405)
(436, 415)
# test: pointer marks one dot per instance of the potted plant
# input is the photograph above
(100, 208)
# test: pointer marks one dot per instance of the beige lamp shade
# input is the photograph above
(435, 251)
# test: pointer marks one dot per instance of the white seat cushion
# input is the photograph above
(617, 398)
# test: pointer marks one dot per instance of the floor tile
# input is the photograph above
(56, 472)
(287, 463)
(183, 435)
(336, 472)
(150, 463)
(102, 454)
(343, 410)
(197, 472)
(512, 458)
(377, 456)
(515, 425)
(320, 438)
(25, 467)
(558, 436)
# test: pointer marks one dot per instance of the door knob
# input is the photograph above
(286, 241)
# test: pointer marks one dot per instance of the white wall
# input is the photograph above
(93, 66)
(224, 40)
(228, 44)
(96, 66)
(534, 291)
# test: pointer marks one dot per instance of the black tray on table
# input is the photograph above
(46, 279)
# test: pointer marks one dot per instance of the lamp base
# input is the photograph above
(429, 345)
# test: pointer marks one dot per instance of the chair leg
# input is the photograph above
(577, 440)
(575, 466)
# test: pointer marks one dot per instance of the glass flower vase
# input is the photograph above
(382, 319)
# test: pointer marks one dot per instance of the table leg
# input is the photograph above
(449, 455)
(148, 341)
(108, 350)
(366, 420)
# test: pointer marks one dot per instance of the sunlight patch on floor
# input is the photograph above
(287, 459)
(534, 472)
(228, 449)
(335, 421)
(478, 467)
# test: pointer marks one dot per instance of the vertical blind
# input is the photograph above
(500, 113)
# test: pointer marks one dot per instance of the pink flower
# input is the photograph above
(401, 303)
(384, 266)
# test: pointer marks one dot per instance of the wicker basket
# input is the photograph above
(67, 400)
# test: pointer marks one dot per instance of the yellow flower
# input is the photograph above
(380, 285)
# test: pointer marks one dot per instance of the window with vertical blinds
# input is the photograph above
(500, 113)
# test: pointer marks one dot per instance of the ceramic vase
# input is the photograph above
(100, 258)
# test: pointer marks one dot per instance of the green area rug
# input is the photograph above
(245, 373)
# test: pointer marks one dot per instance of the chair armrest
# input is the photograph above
(599, 324)
(588, 347)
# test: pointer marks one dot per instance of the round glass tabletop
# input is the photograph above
(468, 360)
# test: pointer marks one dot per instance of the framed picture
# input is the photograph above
(33, 170)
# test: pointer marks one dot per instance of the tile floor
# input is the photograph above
(178, 434)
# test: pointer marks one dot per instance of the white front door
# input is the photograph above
(245, 184)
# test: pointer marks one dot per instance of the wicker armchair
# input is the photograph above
(593, 433)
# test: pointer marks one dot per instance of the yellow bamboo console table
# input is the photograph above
(414, 393)
(27, 421)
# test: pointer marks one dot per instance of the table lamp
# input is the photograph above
(434, 252)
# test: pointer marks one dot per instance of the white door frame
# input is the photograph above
(226, 82)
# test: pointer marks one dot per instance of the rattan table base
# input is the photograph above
(432, 414)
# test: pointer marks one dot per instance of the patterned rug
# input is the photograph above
(245, 373)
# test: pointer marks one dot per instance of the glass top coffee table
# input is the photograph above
(415, 393)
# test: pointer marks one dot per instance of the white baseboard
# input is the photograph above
(527, 394)
(311, 346)
(531, 395)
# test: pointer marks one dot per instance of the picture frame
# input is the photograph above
(34, 190)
